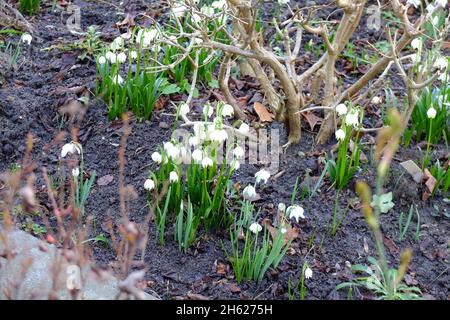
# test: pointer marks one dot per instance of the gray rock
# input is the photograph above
(28, 274)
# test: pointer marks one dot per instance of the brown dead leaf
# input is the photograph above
(71, 108)
(430, 181)
(105, 180)
(196, 296)
(221, 268)
(161, 103)
(312, 119)
(128, 21)
(234, 288)
(390, 244)
(263, 114)
(291, 233)
(242, 101)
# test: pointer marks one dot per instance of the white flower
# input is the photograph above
(182, 151)
(283, 1)
(431, 113)
(227, 111)
(244, 128)
(199, 130)
(208, 11)
(122, 57)
(178, 9)
(236, 165)
(133, 55)
(157, 157)
(193, 141)
(416, 58)
(283, 230)
(70, 148)
(111, 56)
(281, 207)
(416, 43)
(441, 3)
(184, 109)
(376, 100)
(173, 177)
(168, 145)
(102, 60)
(352, 118)
(198, 41)
(145, 37)
(238, 152)
(220, 4)
(341, 109)
(197, 155)
(75, 172)
(340, 135)
(196, 18)
(171, 150)
(255, 227)
(26, 38)
(430, 8)
(295, 212)
(117, 43)
(219, 135)
(440, 63)
(208, 111)
(308, 273)
(262, 175)
(415, 3)
(149, 185)
(249, 193)
(117, 80)
(207, 162)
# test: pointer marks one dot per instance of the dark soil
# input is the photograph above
(30, 98)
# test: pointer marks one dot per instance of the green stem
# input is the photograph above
(425, 161)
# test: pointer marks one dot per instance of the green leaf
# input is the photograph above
(384, 202)
(171, 89)
(213, 84)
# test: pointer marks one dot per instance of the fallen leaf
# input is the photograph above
(312, 119)
(366, 246)
(221, 268)
(291, 232)
(263, 114)
(161, 103)
(410, 281)
(242, 101)
(105, 180)
(430, 181)
(390, 244)
(128, 21)
(234, 288)
(196, 296)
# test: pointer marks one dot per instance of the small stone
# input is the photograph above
(164, 125)
(301, 154)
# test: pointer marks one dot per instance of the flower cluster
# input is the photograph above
(198, 167)
(350, 118)
(216, 9)
(249, 193)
